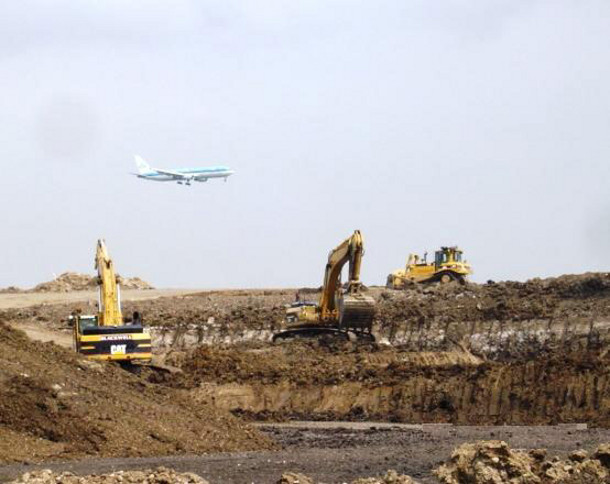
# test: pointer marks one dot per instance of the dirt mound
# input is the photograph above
(536, 298)
(72, 281)
(58, 404)
(506, 320)
(494, 462)
(161, 475)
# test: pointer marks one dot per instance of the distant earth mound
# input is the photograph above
(73, 281)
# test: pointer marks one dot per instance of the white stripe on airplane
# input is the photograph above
(180, 175)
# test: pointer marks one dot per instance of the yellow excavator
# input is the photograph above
(106, 335)
(447, 266)
(345, 312)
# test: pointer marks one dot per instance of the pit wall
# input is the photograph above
(491, 339)
(532, 393)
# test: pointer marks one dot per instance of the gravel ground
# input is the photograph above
(339, 453)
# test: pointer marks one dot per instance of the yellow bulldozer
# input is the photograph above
(342, 311)
(447, 266)
(106, 335)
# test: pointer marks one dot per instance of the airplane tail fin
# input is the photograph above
(143, 167)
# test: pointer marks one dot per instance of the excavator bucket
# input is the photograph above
(356, 312)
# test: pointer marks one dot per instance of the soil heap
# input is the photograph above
(54, 403)
(72, 281)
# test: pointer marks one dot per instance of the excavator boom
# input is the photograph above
(109, 290)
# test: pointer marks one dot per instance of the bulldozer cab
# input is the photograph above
(440, 258)
(447, 255)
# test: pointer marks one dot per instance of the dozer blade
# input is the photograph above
(356, 312)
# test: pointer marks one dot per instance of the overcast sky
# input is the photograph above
(480, 123)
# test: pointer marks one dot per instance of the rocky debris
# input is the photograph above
(391, 477)
(294, 478)
(160, 475)
(603, 454)
(494, 462)
(72, 281)
(489, 462)
(587, 471)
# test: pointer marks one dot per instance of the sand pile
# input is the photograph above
(161, 475)
(494, 462)
(54, 403)
(72, 281)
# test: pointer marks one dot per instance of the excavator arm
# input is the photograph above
(350, 250)
(109, 291)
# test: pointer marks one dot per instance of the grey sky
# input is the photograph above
(482, 123)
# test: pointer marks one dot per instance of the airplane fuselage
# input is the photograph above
(188, 174)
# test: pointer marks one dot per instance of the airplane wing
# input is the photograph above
(174, 174)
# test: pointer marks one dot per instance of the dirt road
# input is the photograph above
(339, 452)
(24, 300)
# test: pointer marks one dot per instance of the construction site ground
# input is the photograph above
(338, 454)
(522, 362)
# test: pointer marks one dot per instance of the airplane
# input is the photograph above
(180, 175)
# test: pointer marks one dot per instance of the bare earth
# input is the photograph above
(526, 363)
(24, 300)
(339, 452)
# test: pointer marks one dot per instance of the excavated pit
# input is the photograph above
(305, 381)
(497, 353)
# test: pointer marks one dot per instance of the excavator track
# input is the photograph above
(319, 332)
